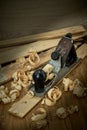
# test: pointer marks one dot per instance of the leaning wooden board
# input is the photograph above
(16, 109)
(13, 53)
(42, 36)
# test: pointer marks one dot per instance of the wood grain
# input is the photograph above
(8, 55)
(42, 36)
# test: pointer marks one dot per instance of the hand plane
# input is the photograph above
(62, 60)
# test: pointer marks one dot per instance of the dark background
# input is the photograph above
(25, 17)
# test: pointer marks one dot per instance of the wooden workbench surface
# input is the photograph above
(76, 121)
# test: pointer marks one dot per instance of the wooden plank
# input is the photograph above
(82, 51)
(17, 52)
(42, 36)
(22, 107)
(20, 51)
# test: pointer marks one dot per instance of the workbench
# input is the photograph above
(76, 121)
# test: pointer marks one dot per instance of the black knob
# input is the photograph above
(55, 55)
(39, 77)
(68, 35)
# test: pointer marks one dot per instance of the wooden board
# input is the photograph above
(22, 107)
(11, 54)
(24, 50)
(42, 36)
(82, 51)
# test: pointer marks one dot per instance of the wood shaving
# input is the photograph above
(16, 86)
(39, 119)
(30, 93)
(64, 112)
(76, 86)
(6, 100)
(52, 97)
(15, 76)
(71, 109)
(48, 102)
(34, 58)
(51, 76)
(68, 84)
(2, 87)
(61, 112)
(40, 114)
(2, 94)
(14, 91)
(79, 90)
(39, 124)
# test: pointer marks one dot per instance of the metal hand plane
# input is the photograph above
(62, 59)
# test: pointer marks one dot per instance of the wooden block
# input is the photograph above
(82, 51)
(14, 53)
(42, 36)
(22, 107)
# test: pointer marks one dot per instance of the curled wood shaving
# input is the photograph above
(16, 86)
(39, 119)
(39, 124)
(34, 58)
(53, 95)
(51, 76)
(61, 112)
(64, 112)
(40, 114)
(6, 100)
(20, 78)
(49, 102)
(71, 109)
(2, 87)
(2, 94)
(68, 84)
(15, 76)
(30, 93)
(9, 95)
(76, 86)
(14, 91)
(79, 90)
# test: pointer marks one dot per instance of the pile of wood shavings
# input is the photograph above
(75, 86)
(62, 112)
